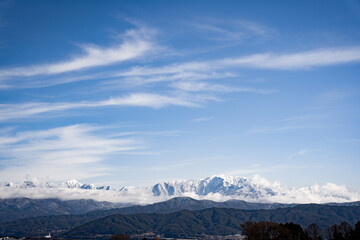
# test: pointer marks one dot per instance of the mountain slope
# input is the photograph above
(214, 221)
(41, 225)
(16, 208)
(13, 209)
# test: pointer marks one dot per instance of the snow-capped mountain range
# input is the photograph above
(35, 183)
(218, 188)
(223, 185)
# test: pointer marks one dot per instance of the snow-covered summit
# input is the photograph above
(223, 185)
(256, 189)
(71, 184)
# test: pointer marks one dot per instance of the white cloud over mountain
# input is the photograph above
(217, 188)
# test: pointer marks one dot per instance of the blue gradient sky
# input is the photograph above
(136, 92)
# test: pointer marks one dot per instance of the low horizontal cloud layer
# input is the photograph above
(144, 195)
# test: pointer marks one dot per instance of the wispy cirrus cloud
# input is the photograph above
(64, 152)
(26, 110)
(299, 60)
(283, 61)
(217, 69)
(275, 129)
(196, 86)
(186, 75)
(135, 43)
(231, 30)
(203, 119)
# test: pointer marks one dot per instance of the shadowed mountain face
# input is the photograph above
(302, 214)
(16, 208)
(215, 221)
(185, 223)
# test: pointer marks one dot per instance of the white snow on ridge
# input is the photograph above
(71, 184)
(217, 188)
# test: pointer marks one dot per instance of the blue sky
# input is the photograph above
(137, 92)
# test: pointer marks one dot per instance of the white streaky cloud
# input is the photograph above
(149, 100)
(175, 68)
(26, 110)
(223, 33)
(275, 129)
(284, 61)
(203, 119)
(192, 86)
(254, 27)
(184, 78)
(234, 31)
(172, 77)
(303, 151)
(196, 86)
(300, 60)
(135, 44)
(75, 151)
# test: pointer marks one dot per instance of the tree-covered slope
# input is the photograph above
(215, 221)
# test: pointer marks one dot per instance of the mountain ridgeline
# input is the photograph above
(180, 217)
(214, 221)
(18, 208)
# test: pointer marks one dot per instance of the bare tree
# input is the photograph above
(313, 232)
(340, 232)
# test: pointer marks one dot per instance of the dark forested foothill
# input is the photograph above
(344, 231)
(265, 230)
(290, 231)
(219, 221)
(185, 223)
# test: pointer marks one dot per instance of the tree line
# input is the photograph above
(291, 231)
(127, 237)
(265, 230)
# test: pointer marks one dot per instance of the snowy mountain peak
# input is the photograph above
(33, 183)
(104, 188)
(218, 184)
(76, 184)
(71, 184)
(127, 189)
(88, 186)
